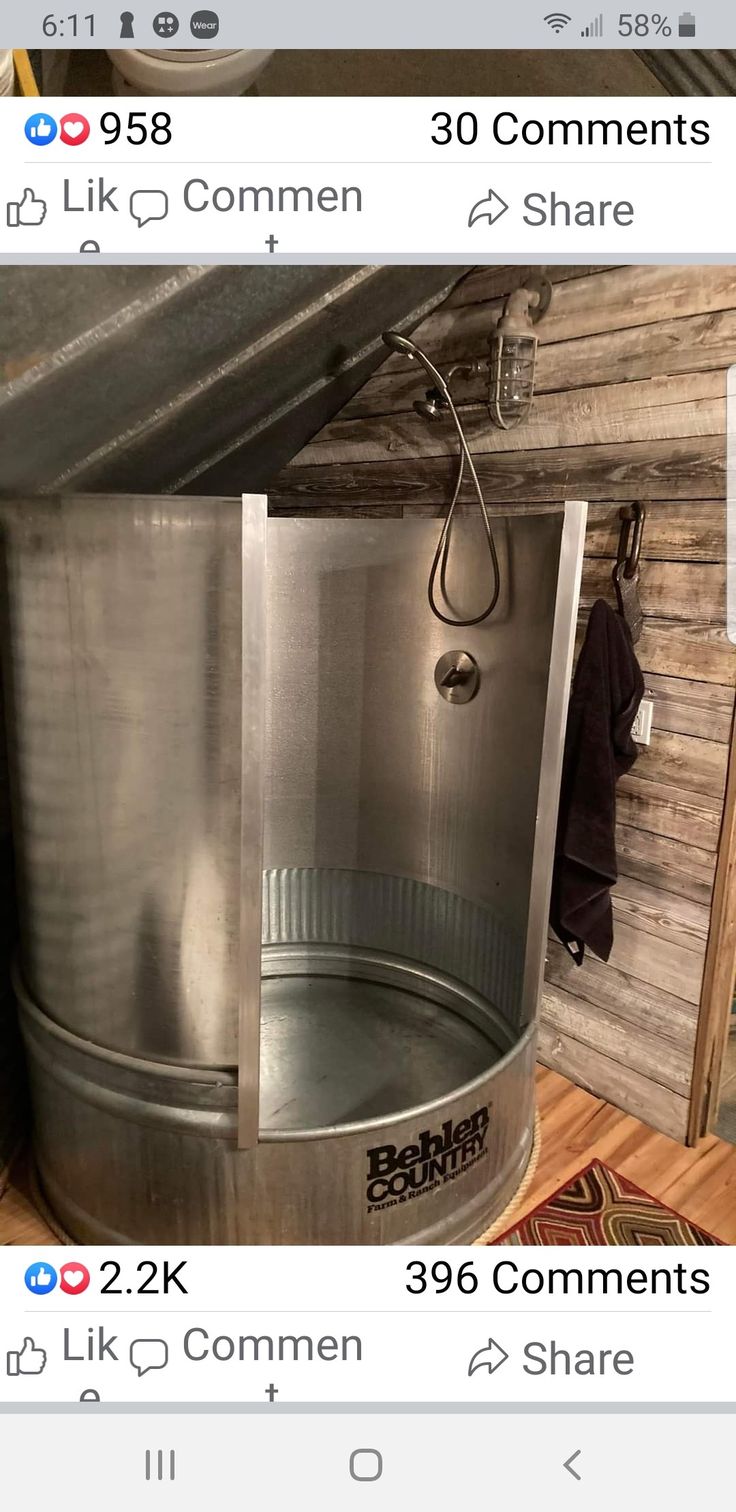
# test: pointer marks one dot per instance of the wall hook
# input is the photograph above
(626, 570)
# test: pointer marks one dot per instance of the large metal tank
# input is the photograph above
(283, 881)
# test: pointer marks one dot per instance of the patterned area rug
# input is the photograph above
(600, 1207)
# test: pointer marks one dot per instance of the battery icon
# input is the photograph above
(686, 25)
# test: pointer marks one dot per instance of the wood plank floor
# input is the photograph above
(576, 1128)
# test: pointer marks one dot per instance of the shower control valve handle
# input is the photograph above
(457, 676)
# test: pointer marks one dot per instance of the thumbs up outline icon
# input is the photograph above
(30, 1360)
(30, 211)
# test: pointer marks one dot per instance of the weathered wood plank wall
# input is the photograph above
(630, 405)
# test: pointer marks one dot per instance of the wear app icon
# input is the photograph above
(40, 1278)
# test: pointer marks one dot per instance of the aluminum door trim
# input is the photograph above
(562, 652)
(253, 721)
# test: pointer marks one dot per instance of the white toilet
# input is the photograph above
(185, 72)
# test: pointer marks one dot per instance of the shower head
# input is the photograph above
(432, 406)
(408, 348)
(398, 343)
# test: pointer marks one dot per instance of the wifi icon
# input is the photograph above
(557, 20)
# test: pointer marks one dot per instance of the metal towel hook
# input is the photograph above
(631, 515)
(626, 570)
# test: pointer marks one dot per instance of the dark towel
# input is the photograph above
(606, 693)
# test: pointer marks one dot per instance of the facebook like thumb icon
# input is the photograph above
(26, 1361)
(30, 211)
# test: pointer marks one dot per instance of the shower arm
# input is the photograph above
(408, 348)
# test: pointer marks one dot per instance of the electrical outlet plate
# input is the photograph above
(642, 727)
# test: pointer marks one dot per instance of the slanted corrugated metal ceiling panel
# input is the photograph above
(689, 72)
(211, 379)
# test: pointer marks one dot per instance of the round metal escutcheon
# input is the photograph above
(457, 677)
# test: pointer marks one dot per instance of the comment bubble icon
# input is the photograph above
(149, 1354)
(149, 205)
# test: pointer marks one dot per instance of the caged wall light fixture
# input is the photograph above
(513, 347)
(512, 365)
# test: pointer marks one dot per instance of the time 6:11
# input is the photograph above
(68, 26)
(152, 1279)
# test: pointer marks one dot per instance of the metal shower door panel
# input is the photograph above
(131, 627)
(373, 780)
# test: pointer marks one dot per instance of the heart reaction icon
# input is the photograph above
(74, 1278)
(74, 129)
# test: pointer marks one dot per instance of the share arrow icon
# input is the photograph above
(491, 1358)
(491, 209)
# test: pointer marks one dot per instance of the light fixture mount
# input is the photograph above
(513, 352)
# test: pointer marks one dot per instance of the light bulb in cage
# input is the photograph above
(514, 354)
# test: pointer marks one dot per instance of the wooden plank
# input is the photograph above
(719, 977)
(674, 531)
(661, 862)
(692, 466)
(663, 1054)
(661, 408)
(665, 1015)
(612, 301)
(684, 761)
(686, 707)
(483, 284)
(657, 911)
(339, 511)
(700, 343)
(607, 1078)
(692, 819)
(673, 968)
(695, 651)
(683, 591)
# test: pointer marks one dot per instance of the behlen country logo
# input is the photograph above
(397, 1175)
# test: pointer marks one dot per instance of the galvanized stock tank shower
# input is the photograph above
(284, 843)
